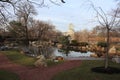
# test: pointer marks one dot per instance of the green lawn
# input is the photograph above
(5, 75)
(19, 58)
(84, 72)
(52, 63)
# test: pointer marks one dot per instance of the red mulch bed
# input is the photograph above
(41, 73)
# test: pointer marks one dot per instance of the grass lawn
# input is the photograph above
(52, 63)
(5, 75)
(84, 72)
(18, 58)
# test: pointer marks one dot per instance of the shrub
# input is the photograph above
(74, 43)
(102, 44)
(83, 44)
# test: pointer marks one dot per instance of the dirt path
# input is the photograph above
(41, 73)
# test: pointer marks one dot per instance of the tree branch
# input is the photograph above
(105, 17)
(99, 14)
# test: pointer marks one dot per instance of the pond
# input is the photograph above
(66, 54)
(71, 54)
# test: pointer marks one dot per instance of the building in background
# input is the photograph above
(70, 32)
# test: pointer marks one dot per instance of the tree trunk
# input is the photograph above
(26, 36)
(26, 31)
(107, 49)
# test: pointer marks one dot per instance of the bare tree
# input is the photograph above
(7, 5)
(24, 12)
(101, 31)
(82, 36)
(15, 29)
(108, 22)
(42, 30)
(33, 1)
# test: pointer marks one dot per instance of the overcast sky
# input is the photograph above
(77, 12)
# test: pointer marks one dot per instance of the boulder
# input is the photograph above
(112, 51)
(84, 48)
(116, 59)
(118, 53)
(22, 52)
(103, 49)
(58, 58)
(59, 46)
(41, 61)
(93, 55)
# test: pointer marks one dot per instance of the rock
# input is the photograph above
(84, 48)
(59, 58)
(116, 59)
(55, 60)
(22, 52)
(118, 53)
(112, 51)
(41, 61)
(40, 57)
(98, 48)
(59, 46)
(103, 49)
(93, 55)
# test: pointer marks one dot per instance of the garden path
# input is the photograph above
(41, 73)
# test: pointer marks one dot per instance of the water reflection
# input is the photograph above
(41, 50)
(52, 51)
(68, 53)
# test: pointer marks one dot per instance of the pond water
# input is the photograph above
(57, 52)
(71, 54)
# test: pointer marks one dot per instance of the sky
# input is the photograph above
(78, 12)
